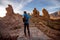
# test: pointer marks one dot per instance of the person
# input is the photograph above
(26, 23)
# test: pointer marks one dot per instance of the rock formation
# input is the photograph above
(45, 13)
(35, 12)
(49, 27)
(10, 23)
(9, 10)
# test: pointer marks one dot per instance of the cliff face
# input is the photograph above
(10, 22)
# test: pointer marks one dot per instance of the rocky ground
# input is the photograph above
(36, 34)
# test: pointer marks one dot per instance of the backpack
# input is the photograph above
(24, 19)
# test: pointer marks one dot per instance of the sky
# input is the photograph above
(28, 5)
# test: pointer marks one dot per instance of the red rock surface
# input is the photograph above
(11, 26)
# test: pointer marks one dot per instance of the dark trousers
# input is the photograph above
(26, 26)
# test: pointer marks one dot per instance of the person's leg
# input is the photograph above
(28, 30)
(25, 29)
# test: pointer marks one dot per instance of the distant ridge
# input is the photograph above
(55, 15)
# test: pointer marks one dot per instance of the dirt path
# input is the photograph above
(36, 34)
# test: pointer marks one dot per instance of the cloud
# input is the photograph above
(17, 5)
(55, 6)
(50, 5)
(57, 0)
(20, 5)
(2, 11)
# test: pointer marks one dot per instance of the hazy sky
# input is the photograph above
(20, 5)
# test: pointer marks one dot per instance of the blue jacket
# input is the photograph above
(27, 18)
